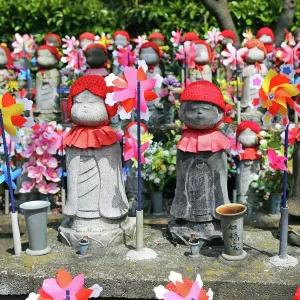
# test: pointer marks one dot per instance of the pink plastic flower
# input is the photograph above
(28, 151)
(233, 56)
(45, 188)
(27, 186)
(176, 38)
(52, 175)
(30, 163)
(47, 161)
(70, 43)
(44, 146)
(49, 130)
(36, 173)
(213, 37)
(187, 54)
(140, 40)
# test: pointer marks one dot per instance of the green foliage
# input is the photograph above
(137, 16)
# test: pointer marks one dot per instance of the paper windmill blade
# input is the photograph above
(187, 54)
(132, 151)
(234, 57)
(140, 40)
(14, 175)
(125, 56)
(275, 95)
(22, 43)
(105, 40)
(11, 113)
(289, 54)
(75, 60)
(213, 37)
(276, 162)
(125, 90)
(176, 38)
(70, 43)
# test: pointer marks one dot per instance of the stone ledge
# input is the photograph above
(250, 279)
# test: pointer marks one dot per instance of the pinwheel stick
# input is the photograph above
(14, 215)
(237, 90)
(63, 191)
(284, 209)
(184, 68)
(26, 66)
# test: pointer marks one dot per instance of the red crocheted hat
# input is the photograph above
(190, 36)
(87, 36)
(247, 124)
(267, 31)
(251, 43)
(95, 45)
(97, 86)
(228, 34)
(52, 49)
(8, 56)
(122, 32)
(151, 45)
(49, 35)
(156, 35)
(201, 42)
(203, 91)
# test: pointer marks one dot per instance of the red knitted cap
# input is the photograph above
(201, 42)
(265, 30)
(8, 56)
(203, 91)
(87, 36)
(190, 36)
(247, 124)
(54, 36)
(96, 85)
(95, 45)
(151, 45)
(122, 32)
(52, 49)
(156, 35)
(228, 34)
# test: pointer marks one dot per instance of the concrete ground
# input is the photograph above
(251, 279)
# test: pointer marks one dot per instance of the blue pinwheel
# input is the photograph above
(14, 175)
(62, 174)
(25, 74)
(33, 61)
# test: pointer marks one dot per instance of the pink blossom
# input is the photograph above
(49, 130)
(30, 163)
(52, 174)
(45, 188)
(27, 186)
(45, 146)
(36, 173)
(58, 137)
(29, 150)
(47, 161)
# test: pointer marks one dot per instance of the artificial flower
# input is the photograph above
(140, 40)
(276, 162)
(27, 186)
(248, 35)
(44, 188)
(187, 54)
(213, 37)
(70, 43)
(176, 38)
(234, 57)
(36, 173)
(104, 40)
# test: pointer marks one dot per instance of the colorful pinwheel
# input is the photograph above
(12, 111)
(289, 38)
(125, 56)
(23, 43)
(176, 38)
(276, 162)
(125, 90)
(234, 57)
(104, 40)
(289, 54)
(275, 95)
(213, 37)
(132, 151)
(187, 54)
(25, 74)
(14, 175)
(140, 40)
(70, 43)
(75, 60)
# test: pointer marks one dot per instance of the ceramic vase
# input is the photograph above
(36, 224)
(232, 219)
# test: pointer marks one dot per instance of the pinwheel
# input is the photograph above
(289, 54)
(213, 37)
(276, 162)
(24, 74)
(132, 152)
(140, 40)
(125, 91)
(104, 40)
(289, 38)
(70, 43)
(183, 289)
(176, 38)
(125, 57)
(234, 57)
(296, 82)
(23, 46)
(287, 70)
(13, 174)
(248, 35)
(187, 54)
(275, 95)
(75, 60)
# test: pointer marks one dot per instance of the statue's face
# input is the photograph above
(95, 57)
(255, 55)
(158, 42)
(133, 130)
(84, 43)
(248, 138)
(46, 59)
(88, 110)
(200, 115)
(266, 39)
(53, 41)
(121, 40)
(150, 56)
(202, 54)
(226, 41)
(3, 58)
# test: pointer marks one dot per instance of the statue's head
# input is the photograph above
(5, 57)
(248, 134)
(256, 51)
(266, 35)
(47, 56)
(157, 38)
(228, 36)
(203, 52)
(202, 106)
(86, 102)
(96, 55)
(131, 130)
(86, 39)
(151, 53)
(121, 38)
(53, 39)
